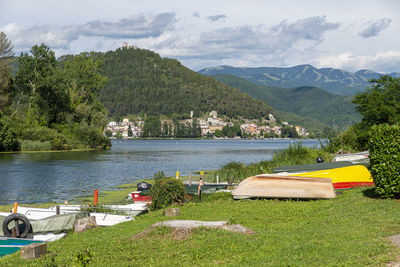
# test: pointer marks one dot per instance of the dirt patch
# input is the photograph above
(181, 234)
(181, 229)
(157, 232)
(395, 239)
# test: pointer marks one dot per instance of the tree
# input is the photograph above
(83, 79)
(152, 127)
(289, 132)
(130, 133)
(6, 58)
(218, 134)
(380, 104)
(108, 133)
(39, 78)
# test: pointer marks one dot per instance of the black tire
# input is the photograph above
(25, 228)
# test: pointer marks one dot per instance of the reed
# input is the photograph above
(293, 155)
(29, 145)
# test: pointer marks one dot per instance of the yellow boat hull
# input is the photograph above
(346, 177)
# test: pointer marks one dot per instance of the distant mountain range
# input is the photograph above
(309, 106)
(335, 81)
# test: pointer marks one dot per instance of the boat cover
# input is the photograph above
(54, 224)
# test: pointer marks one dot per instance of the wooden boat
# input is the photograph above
(346, 177)
(274, 186)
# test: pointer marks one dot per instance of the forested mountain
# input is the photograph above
(140, 81)
(335, 81)
(308, 102)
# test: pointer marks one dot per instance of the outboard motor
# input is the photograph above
(319, 159)
(142, 186)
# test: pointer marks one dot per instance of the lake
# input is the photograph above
(60, 176)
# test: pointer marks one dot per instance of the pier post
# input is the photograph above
(96, 197)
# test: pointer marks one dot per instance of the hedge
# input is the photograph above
(384, 149)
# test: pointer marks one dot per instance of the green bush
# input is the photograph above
(43, 134)
(165, 192)
(8, 141)
(90, 136)
(384, 149)
(353, 139)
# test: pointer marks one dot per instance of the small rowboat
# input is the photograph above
(275, 186)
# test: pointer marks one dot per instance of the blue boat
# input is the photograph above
(9, 245)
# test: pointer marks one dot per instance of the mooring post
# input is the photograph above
(15, 207)
(96, 197)
(200, 183)
(57, 209)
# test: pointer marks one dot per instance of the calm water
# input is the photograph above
(43, 177)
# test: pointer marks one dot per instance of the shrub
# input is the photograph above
(159, 175)
(8, 141)
(384, 149)
(43, 134)
(90, 136)
(166, 191)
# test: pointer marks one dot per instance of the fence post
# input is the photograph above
(96, 197)
(15, 207)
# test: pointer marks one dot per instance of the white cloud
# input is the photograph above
(375, 27)
(381, 62)
(133, 27)
(245, 43)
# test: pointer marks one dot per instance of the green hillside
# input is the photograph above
(140, 81)
(297, 105)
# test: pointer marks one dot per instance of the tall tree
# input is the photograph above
(83, 83)
(39, 78)
(6, 59)
(152, 127)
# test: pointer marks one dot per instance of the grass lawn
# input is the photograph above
(348, 230)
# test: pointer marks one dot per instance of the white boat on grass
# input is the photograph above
(127, 212)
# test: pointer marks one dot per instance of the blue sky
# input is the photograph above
(351, 35)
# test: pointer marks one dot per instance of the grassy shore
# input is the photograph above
(351, 229)
(348, 230)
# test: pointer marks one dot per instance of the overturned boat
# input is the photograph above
(276, 186)
(343, 178)
(315, 167)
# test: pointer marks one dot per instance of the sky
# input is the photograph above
(351, 35)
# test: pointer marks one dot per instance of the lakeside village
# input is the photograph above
(213, 126)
